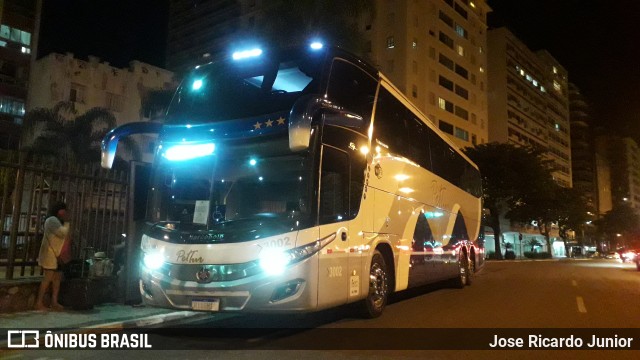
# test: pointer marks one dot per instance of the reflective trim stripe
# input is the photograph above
(207, 293)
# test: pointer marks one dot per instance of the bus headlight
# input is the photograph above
(153, 260)
(274, 261)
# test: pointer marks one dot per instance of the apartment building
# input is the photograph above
(200, 30)
(435, 51)
(529, 100)
(92, 83)
(17, 22)
(619, 168)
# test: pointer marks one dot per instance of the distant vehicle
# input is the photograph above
(612, 255)
(629, 255)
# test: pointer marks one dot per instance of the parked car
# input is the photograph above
(612, 255)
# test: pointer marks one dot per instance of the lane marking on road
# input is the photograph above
(574, 283)
(581, 307)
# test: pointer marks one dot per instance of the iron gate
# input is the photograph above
(96, 200)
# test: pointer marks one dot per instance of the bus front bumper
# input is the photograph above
(295, 290)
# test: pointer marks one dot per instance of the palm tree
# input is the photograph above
(62, 133)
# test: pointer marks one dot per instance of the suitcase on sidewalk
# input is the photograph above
(78, 292)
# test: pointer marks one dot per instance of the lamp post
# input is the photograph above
(520, 238)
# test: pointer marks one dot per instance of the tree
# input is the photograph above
(573, 213)
(509, 174)
(332, 21)
(548, 204)
(622, 219)
(60, 132)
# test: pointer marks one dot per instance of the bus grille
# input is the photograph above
(212, 273)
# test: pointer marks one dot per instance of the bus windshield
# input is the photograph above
(234, 89)
(237, 190)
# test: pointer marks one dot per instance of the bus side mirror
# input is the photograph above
(300, 119)
(110, 141)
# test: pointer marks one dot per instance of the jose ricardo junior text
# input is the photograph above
(536, 341)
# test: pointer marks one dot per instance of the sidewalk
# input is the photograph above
(105, 316)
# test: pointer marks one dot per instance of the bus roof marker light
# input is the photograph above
(239, 55)
(316, 45)
(253, 162)
(197, 84)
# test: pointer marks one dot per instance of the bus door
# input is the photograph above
(333, 274)
(344, 136)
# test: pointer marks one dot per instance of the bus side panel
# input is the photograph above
(403, 191)
(360, 237)
(391, 214)
(333, 267)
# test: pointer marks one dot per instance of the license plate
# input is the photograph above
(205, 304)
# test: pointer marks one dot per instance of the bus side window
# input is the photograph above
(390, 124)
(352, 89)
(334, 186)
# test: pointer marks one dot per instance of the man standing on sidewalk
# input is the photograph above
(55, 233)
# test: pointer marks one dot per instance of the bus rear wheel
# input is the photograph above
(378, 287)
(471, 270)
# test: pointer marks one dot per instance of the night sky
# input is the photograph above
(597, 41)
(117, 31)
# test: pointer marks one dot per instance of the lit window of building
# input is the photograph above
(391, 43)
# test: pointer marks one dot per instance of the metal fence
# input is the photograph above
(96, 201)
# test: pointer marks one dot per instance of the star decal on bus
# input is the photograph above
(280, 120)
(269, 123)
(257, 125)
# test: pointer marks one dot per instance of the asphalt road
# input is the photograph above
(527, 295)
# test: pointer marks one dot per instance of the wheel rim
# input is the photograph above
(377, 286)
(462, 265)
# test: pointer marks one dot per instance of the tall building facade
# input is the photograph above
(603, 178)
(529, 100)
(199, 30)
(582, 150)
(17, 23)
(623, 159)
(435, 52)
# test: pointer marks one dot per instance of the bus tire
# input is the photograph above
(462, 279)
(378, 295)
(471, 270)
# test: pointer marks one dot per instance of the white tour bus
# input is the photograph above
(298, 180)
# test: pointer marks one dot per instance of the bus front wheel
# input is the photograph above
(378, 287)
